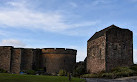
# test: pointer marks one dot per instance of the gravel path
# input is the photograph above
(126, 79)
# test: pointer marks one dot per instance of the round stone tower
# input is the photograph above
(55, 59)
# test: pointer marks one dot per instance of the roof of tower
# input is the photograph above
(102, 32)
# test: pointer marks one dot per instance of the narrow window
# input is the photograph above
(45, 69)
(124, 46)
(100, 51)
(115, 47)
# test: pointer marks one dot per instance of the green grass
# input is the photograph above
(4, 77)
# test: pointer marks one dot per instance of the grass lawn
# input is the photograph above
(35, 78)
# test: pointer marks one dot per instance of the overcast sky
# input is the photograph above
(63, 23)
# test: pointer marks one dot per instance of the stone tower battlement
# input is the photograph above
(59, 51)
(15, 60)
(58, 58)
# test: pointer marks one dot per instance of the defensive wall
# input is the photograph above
(52, 60)
(5, 57)
(15, 60)
(55, 59)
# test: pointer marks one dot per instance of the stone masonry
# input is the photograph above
(109, 48)
(37, 53)
(59, 58)
(5, 57)
(15, 60)
(26, 59)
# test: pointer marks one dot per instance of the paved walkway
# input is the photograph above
(125, 79)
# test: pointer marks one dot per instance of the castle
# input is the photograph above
(109, 48)
(52, 60)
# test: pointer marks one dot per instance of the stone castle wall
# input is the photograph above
(26, 59)
(5, 57)
(57, 59)
(16, 60)
(37, 53)
(119, 48)
(96, 55)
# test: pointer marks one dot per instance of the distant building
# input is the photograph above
(51, 60)
(109, 48)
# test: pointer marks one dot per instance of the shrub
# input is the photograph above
(134, 67)
(114, 73)
(123, 71)
(40, 71)
(119, 69)
(53, 74)
(108, 75)
(3, 71)
(79, 71)
(30, 72)
(89, 76)
(100, 75)
(62, 73)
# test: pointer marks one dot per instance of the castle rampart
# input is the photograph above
(36, 63)
(58, 51)
(58, 58)
(26, 59)
(51, 60)
(5, 57)
(16, 60)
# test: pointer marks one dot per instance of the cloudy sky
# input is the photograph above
(63, 23)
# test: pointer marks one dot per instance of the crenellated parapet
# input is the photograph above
(52, 60)
(59, 51)
(58, 58)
